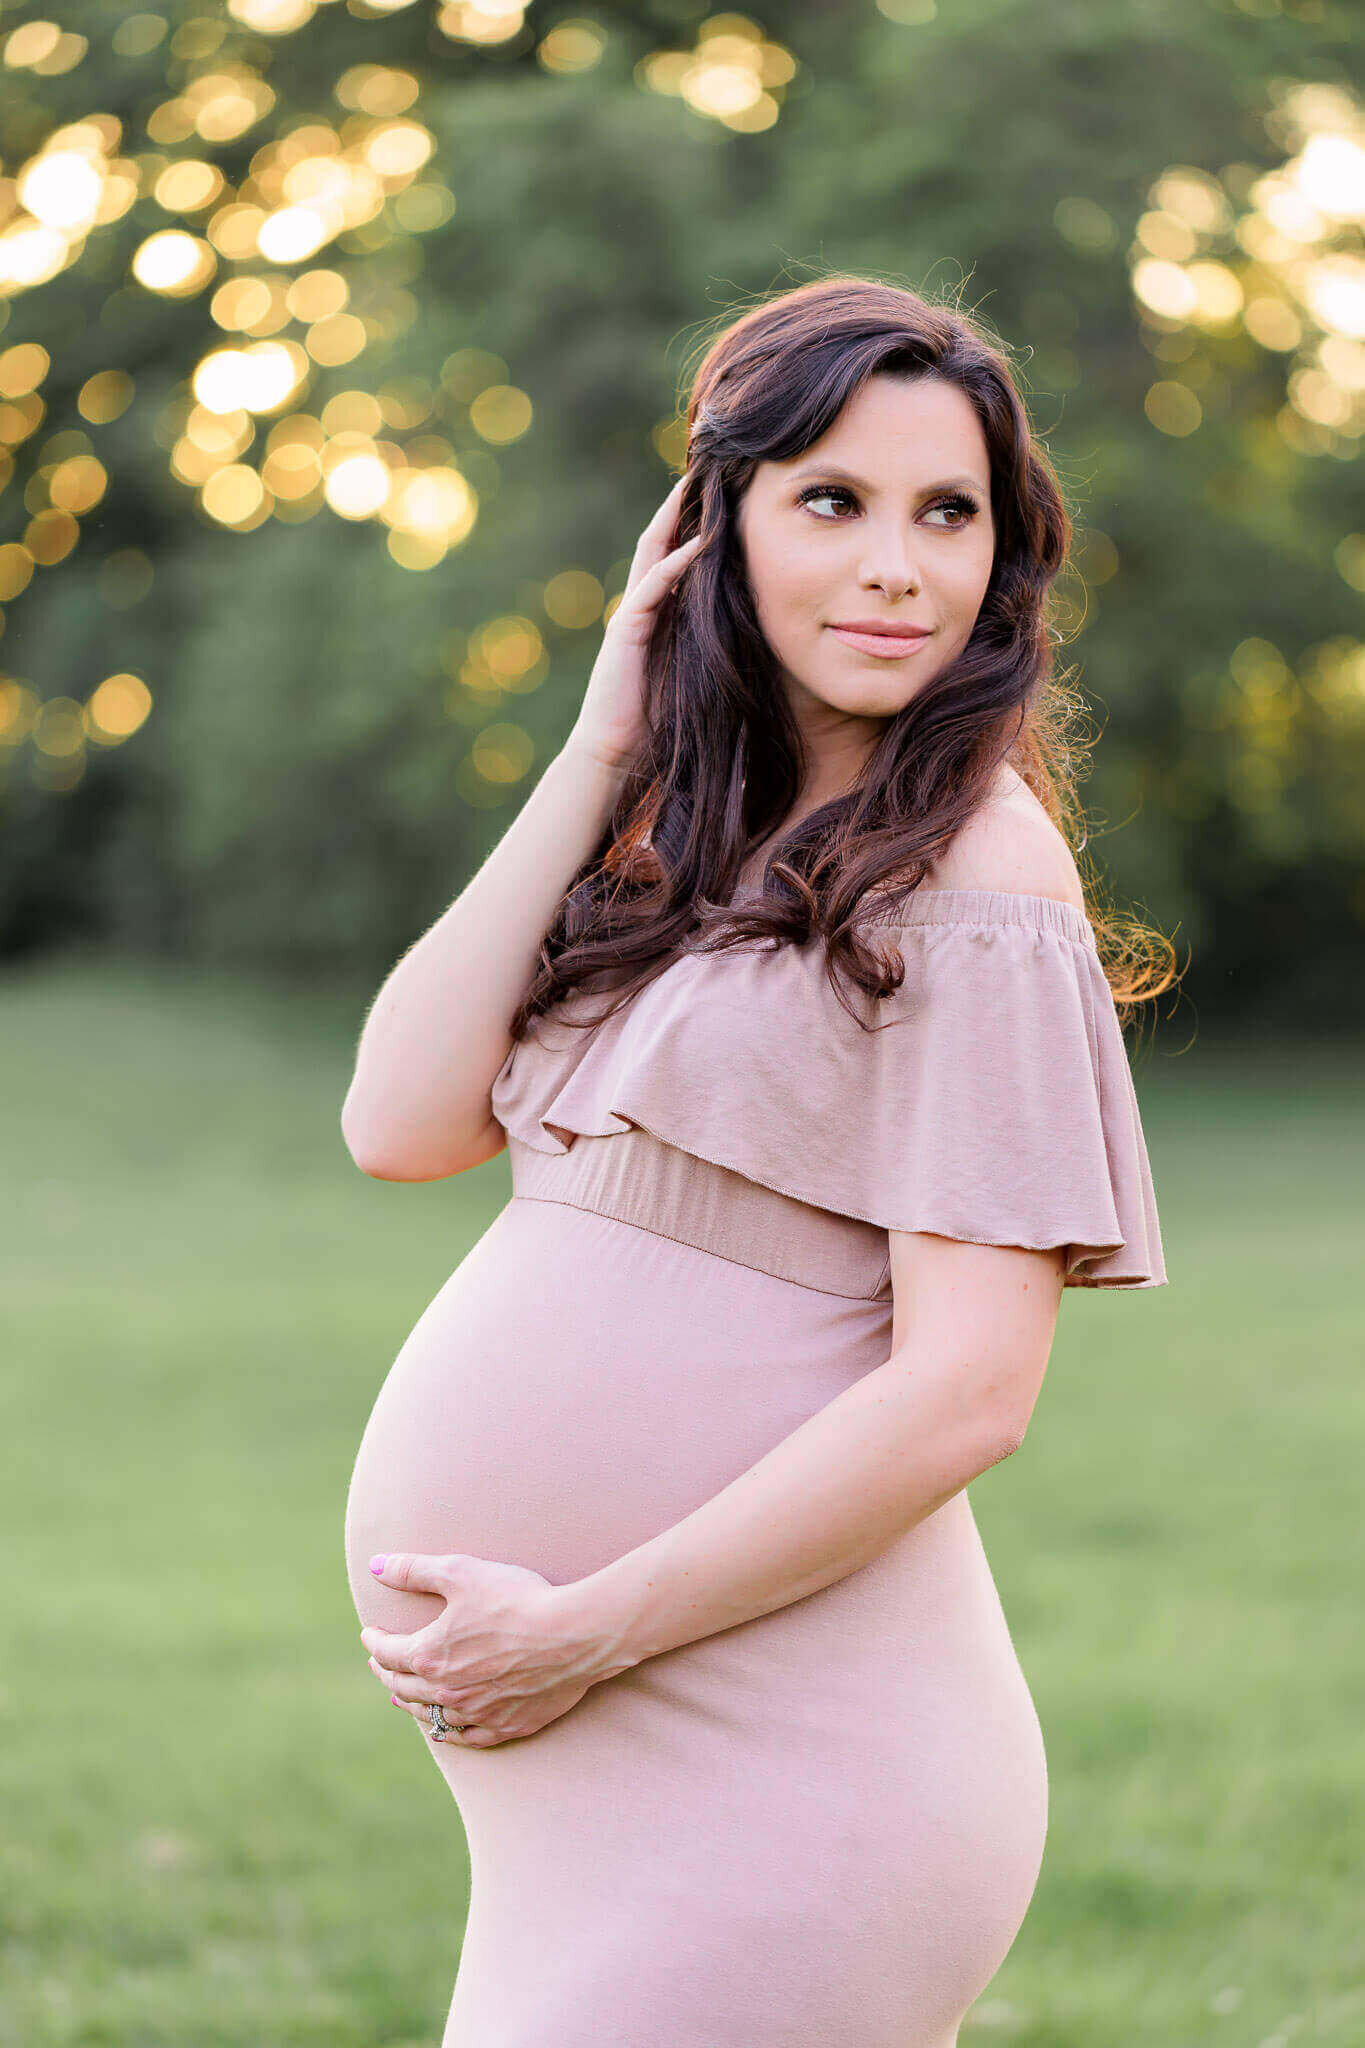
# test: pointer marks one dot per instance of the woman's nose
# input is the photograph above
(889, 564)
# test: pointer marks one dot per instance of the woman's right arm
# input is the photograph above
(419, 1105)
(437, 1033)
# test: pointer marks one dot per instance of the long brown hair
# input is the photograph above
(722, 763)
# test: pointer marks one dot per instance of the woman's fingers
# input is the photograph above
(471, 1733)
(653, 542)
(403, 1685)
(649, 588)
(396, 1647)
(402, 1694)
(419, 1708)
(474, 1736)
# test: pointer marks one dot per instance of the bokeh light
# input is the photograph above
(1286, 270)
(117, 707)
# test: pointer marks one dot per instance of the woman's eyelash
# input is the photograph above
(958, 499)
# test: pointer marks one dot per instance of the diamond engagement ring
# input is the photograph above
(440, 1727)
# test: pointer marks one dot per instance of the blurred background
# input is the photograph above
(343, 351)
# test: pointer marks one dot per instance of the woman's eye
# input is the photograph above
(958, 503)
(810, 497)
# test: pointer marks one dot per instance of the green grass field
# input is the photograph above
(218, 1831)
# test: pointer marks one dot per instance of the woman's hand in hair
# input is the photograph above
(611, 719)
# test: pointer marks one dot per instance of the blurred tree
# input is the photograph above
(341, 373)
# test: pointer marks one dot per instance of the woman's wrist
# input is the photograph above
(598, 1610)
(598, 759)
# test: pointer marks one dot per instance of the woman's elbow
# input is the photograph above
(1002, 1436)
(377, 1161)
(425, 1155)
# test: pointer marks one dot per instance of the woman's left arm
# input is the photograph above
(974, 1328)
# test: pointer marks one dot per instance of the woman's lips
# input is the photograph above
(881, 643)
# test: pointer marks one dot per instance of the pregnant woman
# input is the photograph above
(783, 994)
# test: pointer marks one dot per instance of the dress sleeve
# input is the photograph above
(995, 1104)
(1008, 1115)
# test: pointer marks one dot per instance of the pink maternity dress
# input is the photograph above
(821, 1828)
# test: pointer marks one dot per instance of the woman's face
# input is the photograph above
(886, 518)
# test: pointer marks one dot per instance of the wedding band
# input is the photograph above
(440, 1727)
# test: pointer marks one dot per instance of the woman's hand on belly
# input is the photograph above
(504, 1656)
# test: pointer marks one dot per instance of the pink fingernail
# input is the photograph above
(376, 1565)
(394, 1697)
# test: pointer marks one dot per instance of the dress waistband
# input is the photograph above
(636, 1178)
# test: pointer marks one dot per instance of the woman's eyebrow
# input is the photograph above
(832, 469)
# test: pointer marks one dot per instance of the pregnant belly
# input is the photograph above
(579, 1384)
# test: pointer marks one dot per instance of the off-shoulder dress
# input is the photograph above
(821, 1828)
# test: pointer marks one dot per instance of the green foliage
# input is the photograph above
(309, 788)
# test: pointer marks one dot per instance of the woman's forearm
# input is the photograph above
(437, 1032)
(830, 1497)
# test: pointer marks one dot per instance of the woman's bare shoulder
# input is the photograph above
(1010, 844)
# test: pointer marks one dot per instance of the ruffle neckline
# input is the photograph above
(995, 907)
(996, 1104)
